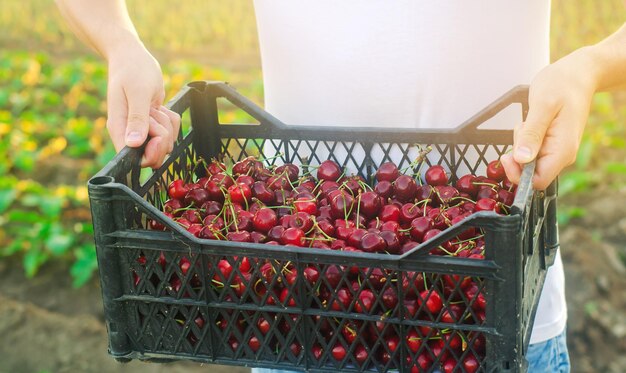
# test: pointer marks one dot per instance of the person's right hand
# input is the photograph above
(135, 112)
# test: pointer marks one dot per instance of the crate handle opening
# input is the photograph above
(101, 180)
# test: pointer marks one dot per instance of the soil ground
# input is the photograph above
(47, 326)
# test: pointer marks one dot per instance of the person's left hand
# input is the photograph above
(559, 100)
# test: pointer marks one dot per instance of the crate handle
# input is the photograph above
(516, 95)
(482, 219)
(217, 89)
(525, 190)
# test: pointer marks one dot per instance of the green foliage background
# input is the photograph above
(52, 109)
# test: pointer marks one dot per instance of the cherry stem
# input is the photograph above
(358, 210)
(446, 251)
(316, 225)
(493, 186)
(469, 239)
(461, 198)
(278, 155)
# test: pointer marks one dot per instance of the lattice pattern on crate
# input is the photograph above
(171, 328)
(396, 307)
(364, 158)
(269, 336)
(162, 273)
(356, 158)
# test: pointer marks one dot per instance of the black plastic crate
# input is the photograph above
(157, 309)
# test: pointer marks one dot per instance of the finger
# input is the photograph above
(137, 123)
(529, 136)
(174, 118)
(150, 155)
(559, 152)
(513, 169)
(116, 116)
(157, 148)
(164, 121)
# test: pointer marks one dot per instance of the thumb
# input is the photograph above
(137, 120)
(529, 136)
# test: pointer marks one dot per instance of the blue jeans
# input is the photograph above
(545, 357)
(550, 356)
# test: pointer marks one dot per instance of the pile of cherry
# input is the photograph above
(325, 209)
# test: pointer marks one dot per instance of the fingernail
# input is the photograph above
(523, 154)
(133, 136)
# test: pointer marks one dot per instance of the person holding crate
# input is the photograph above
(406, 63)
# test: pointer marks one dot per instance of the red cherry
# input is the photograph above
(338, 352)
(390, 213)
(240, 193)
(244, 166)
(370, 204)
(288, 169)
(286, 298)
(241, 236)
(436, 175)
(506, 197)
(342, 301)
(465, 184)
(258, 237)
(254, 343)
(446, 194)
(156, 226)
(390, 298)
(413, 340)
(384, 189)
(355, 237)
(264, 219)
(419, 227)
(301, 220)
(470, 364)
(431, 233)
(405, 188)
(177, 189)
(341, 204)
(392, 343)
(387, 171)
(307, 205)
(275, 233)
(292, 236)
(392, 241)
(365, 301)
(333, 275)
(432, 300)
(409, 211)
(360, 354)
(487, 204)
(172, 206)
(263, 325)
(372, 243)
(317, 351)
(449, 365)
(196, 197)
(350, 331)
(495, 171)
(329, 170)
(184, 265)
(326, 227)
(264, 194)
(487, 192)
(214, 188)
(195, 229)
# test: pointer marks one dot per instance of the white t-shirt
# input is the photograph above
(405, 63)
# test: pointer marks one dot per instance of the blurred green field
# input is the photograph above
(52, 108)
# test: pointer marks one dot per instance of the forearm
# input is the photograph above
(607, 61)
(103, 25)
